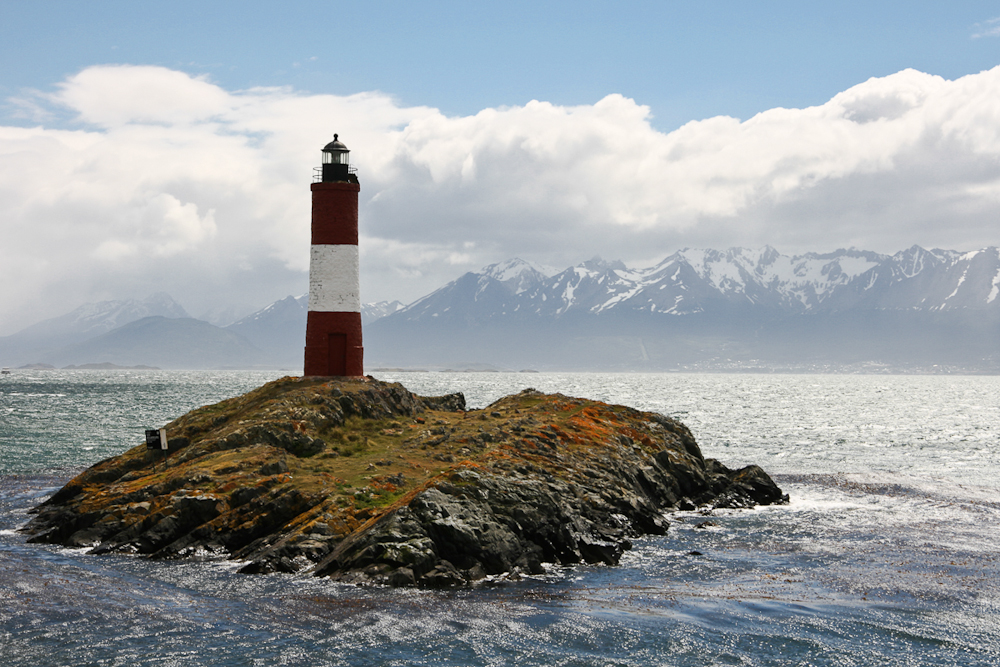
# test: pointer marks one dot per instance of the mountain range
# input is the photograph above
(696, 309)
(692, 282)
(710, 309)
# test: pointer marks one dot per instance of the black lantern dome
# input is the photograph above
(336, 162)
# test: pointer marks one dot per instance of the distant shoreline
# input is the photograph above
(102, 366)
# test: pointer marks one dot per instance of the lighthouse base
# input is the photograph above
(333, 345)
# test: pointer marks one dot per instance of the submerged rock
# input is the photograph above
(363, 481)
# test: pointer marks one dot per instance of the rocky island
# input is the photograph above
(366, 482)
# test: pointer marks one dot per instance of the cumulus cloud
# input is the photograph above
(164, 181)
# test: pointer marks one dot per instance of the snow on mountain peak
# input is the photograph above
(517, 274)
(107, 315)
(696, 280)
(510, 269)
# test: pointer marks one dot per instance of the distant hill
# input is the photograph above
(224, 314)
(279, 328)
(33, 344)
(166, 343)
(108, 366)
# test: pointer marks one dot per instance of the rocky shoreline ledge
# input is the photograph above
(363, 481)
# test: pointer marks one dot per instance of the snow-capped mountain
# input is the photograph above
(518, 275)
(928, 280)
(847, 306)
(93, 319)
(695, 281)
(377, 310)
(89, 321)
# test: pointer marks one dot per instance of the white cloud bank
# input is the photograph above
(173, 183)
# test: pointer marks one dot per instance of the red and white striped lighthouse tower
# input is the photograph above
(333, 327)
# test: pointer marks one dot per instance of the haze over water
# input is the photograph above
(886, 554)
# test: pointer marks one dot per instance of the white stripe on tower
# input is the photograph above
(334, 284)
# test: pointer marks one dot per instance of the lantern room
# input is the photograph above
(337, 163)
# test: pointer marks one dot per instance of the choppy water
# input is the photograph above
(886, 555)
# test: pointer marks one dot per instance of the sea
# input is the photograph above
(887, 553)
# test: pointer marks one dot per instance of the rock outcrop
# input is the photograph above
(363, 481)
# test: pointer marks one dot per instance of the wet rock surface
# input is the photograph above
(365, 482)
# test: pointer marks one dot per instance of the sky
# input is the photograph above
(154, 146)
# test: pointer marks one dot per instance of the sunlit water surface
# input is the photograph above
(886, 555)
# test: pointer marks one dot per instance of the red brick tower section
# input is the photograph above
(333, 327)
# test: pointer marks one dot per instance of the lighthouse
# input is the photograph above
(333, 324)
